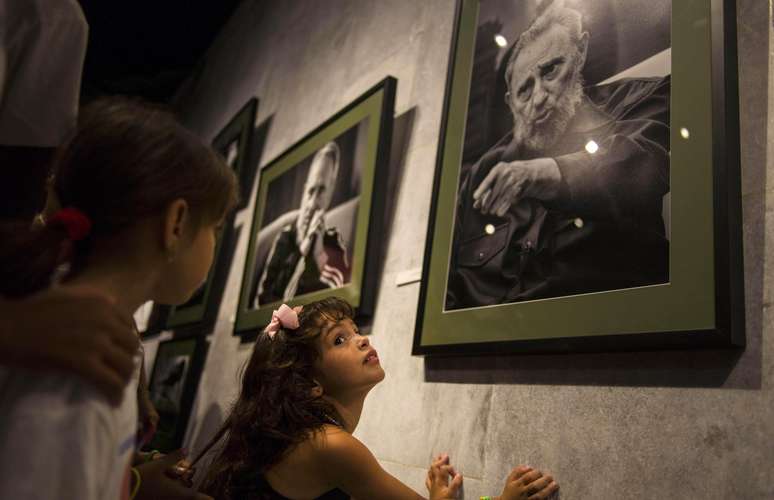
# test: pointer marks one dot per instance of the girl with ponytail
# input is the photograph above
(142, 199)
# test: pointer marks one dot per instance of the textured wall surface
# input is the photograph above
(608, 426)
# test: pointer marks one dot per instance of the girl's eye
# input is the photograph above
(338, 340)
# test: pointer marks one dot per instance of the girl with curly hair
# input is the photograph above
(289, 434)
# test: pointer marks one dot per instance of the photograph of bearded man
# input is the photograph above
(570, 201)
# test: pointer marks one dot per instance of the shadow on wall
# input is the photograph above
(205, 431)
(402, 127)
(260, 135)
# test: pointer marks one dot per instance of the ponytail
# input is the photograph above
(29, 256)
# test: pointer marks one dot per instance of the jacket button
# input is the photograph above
(578, 222)
(489, 229)
(480, 255)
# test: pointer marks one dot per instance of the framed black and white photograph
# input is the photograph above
(233, 143)
(173, 384)
(313, 231)
(578, 195)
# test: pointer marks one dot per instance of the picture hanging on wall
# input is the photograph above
(587, 188)
(317, 212)
(233, 143)
(173, 384)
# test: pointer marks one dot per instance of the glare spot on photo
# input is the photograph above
(592, 147)
(684, 133)
(501, 41)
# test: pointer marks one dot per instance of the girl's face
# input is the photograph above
(347, 362)
(189, 270)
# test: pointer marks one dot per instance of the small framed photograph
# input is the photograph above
(233, 143)
(587, 189)
(173, 384)
(317, 214)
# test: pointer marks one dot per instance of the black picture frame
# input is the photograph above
(173, 384)
(366, 125)
(200, 312)
(702, 306)
(240, 130)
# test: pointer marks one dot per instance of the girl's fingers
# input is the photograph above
(455, 485)
(530, 476)
(545, 492)
(539, 484)
(517, 472)
(440, 476)
(116, 359)
(448, 470)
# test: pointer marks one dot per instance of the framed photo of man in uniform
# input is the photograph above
(233, 143)
(313, 233)
(587, 187)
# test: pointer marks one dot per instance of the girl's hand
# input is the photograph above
(437, 481)
(526, 483)
(55, 329)
(161, 478)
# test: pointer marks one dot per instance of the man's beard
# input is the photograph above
(538, 137)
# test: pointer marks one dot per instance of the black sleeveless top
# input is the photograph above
(270, 494)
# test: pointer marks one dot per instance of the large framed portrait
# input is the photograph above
(587, 188)
(173, 384)
(233, 143)
(317, 214)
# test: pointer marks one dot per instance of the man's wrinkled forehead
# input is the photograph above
(322, 171)
(551, 43)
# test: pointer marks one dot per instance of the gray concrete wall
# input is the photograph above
(643, 425)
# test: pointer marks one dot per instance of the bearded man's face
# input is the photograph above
(546, 87)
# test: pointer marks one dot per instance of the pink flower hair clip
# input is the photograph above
(284, 317)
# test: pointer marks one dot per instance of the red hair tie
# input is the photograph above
(76, 223)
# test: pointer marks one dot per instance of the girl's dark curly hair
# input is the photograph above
(276, 409)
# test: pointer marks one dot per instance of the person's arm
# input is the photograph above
(626, 175)
(55, 330)
(345, 463)
(159, 480)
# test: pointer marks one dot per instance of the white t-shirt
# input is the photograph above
(42, 49)
(61, 439)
